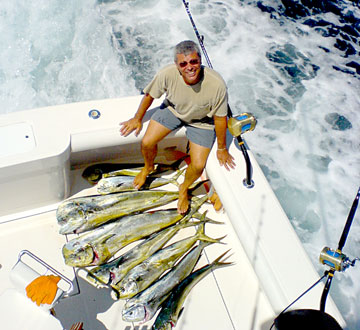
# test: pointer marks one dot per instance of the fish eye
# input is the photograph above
(98, 171)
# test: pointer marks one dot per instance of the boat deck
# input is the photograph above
(271, 268)
(229, 298)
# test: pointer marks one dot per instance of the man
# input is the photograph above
(196, 97)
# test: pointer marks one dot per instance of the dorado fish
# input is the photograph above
(144, 305)
(97, 246)
(111, 184)
(95, 172)
(171, 309)
(147, 272)
(84, 213)
(114, 271)
(117, 268)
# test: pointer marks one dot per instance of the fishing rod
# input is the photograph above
(336, 260)
(243, 123)
(200, 38)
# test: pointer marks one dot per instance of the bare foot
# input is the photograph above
(183, 202)
(141, 177)
(215, 201)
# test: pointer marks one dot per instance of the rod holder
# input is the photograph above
(237, 126)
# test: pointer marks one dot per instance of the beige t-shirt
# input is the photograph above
(191, 103)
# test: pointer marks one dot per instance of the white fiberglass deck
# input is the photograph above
(266, 252)
(230, 298)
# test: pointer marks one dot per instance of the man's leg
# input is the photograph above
(154, 133)
(198, 158)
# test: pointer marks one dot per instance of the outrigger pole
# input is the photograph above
(237, 125)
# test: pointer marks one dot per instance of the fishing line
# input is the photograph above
(303, 294)
(220, 292)
(248, 182)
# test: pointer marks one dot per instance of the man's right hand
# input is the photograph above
(127, 127)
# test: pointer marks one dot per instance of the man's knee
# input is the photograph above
(147, 143)
(198, 165)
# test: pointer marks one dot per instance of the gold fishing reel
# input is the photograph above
(241, 124)
(336, 260)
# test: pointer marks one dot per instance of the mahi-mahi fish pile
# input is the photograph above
(154, 274)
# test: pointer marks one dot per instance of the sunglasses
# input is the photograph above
(192, 62)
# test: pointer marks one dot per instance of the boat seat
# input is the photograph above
(17, 310)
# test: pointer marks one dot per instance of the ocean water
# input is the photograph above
(294, 64)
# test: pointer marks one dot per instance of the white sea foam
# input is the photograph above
(55, 52)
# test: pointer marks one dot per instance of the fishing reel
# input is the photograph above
(241, 124)
(336, 260)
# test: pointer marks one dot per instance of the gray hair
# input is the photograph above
(186, 47)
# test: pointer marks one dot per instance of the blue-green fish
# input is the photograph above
(113, 272)
(94, 173)
(145, 304)
(97, 246)
(172, 308)
(147, 272)
(84, 213)
(118, 183)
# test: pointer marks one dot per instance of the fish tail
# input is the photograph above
(200, 233)
(196, 202)
(218, 263)
(196, 185)
(198, 215)
(173, 180)
(206, 238)
(185, 223)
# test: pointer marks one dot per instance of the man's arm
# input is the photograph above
(222, 153)
(136, 123)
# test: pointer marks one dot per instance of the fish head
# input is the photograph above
(92, 174)
(78, 255)
(128, 289)
(71, 217)
(110, 184)
(135, 313)
(101, 254)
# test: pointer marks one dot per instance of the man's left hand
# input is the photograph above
(225, 159)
